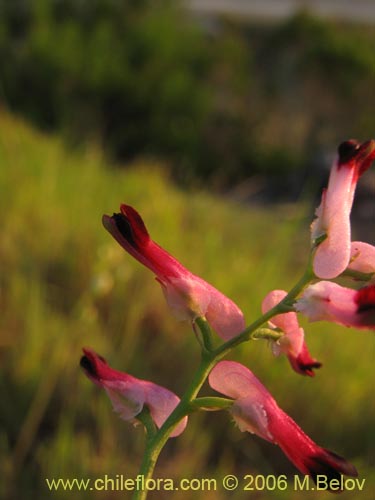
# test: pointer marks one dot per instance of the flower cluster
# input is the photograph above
(336, 253)
(191, 298)
(332, 255)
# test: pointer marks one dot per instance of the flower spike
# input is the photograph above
(333, 215)
(292, 343)
(129, 394)
(255, 410)
(188, 295)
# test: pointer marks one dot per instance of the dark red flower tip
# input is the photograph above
(361, 155)
(329, 464)
(365, 299)
(304, 363)
(308, 368)
(131, 226)
(88, 366)
(366, 155)
(89, 362)
(347, 150)
(124, 227)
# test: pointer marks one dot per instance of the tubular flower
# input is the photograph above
(362, 258)
(188, 295)
(255, 411)
(292, 343)
(129, 394)
(333, 215)
(331, 302)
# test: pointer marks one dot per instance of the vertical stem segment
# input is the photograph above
(156, 444)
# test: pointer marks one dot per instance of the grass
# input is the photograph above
(65, 283)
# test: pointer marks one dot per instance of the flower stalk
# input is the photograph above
(332, 254)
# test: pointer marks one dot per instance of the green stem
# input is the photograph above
(266, 333)
(145, 418)
(357, 275)
(211, 403)
(206, 332)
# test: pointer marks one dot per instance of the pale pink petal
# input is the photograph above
(236, 381)
(332, 255)
(127, 400)
(251, 416)
(362, 257)
(161, 402)
(225, 317)
(187, 297)
(292, 343)
(325, 301)
(331, 302)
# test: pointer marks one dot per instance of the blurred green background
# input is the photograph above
(105, 101)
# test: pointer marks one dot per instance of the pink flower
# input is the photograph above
(331, 302)
(188, 295)
(255, 411)
(362, 257)
(292, 343)
(129, 394)
(333, 254)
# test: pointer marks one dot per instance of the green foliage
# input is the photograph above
(131, 73)
(217, 101)
(318, 77)
(65, 284)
